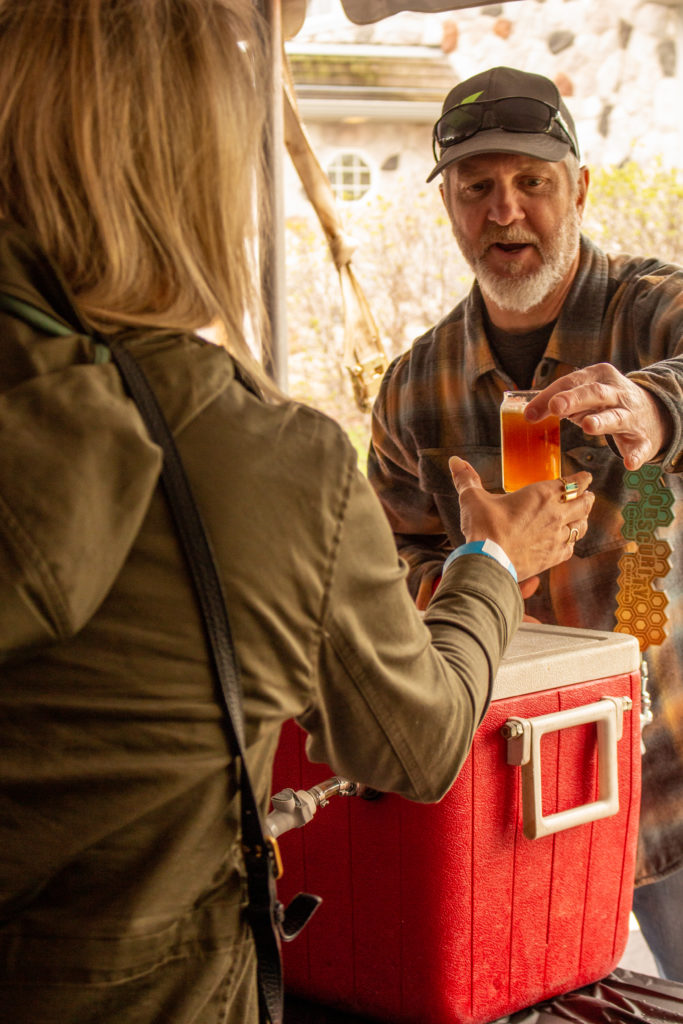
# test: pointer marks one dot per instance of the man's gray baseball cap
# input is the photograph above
(503, 110)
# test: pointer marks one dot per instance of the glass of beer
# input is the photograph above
(529, 451)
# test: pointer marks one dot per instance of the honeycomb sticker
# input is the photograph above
(641, 606)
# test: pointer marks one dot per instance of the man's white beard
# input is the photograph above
(520, 291)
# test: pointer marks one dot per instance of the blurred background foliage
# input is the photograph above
(412, 273)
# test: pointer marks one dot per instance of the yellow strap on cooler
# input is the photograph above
(275, 856)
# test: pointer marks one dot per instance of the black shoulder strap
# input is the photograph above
(201, 564)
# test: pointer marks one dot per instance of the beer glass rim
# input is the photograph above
(522, 393)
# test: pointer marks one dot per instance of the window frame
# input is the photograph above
(364, 165)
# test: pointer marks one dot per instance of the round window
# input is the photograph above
(350, 176)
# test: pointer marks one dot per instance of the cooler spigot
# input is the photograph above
(294, 808)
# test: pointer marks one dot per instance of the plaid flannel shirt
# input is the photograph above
(442, 398)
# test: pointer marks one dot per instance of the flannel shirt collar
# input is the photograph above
(479, 358)
(576, 337)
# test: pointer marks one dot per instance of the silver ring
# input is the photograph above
(573, 534)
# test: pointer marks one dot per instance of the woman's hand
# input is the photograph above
(535, 526)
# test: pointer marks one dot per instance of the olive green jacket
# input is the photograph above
(118, 795)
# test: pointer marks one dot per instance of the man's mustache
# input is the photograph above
(507, 236)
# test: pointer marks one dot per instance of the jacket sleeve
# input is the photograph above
(400, 696)
(655, 311)
(665, 381)
(412, 514)
(77, 472)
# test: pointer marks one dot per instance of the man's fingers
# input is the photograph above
(593, 389)
(538, 407)
(600, 400)
(636, 457)
(593, 397)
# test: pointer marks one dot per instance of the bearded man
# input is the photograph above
(601, 338)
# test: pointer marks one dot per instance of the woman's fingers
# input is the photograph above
(536, 526)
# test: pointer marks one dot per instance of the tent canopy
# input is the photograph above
(363, 12)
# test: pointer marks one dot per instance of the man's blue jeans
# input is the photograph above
(658, 908)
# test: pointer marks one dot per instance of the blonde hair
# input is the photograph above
(131, 149)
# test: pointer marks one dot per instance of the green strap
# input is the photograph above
(35, 317)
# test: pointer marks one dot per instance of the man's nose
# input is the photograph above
(504, 205)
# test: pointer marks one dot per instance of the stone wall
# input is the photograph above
(618, 63)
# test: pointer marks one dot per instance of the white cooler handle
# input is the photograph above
(523, 737)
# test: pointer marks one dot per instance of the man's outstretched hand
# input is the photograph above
(600, 400)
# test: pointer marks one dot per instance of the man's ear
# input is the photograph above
(444, 197)
(582, 191)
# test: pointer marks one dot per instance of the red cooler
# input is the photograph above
(517, 886)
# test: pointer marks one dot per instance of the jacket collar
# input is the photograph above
(28, 274)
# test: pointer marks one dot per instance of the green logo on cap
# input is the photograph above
(472, 99)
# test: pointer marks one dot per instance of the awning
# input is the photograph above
(363, 12)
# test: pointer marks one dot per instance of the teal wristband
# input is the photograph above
(483, 547)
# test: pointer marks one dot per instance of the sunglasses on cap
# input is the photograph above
(512, 114)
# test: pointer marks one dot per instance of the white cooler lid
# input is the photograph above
(544, 657)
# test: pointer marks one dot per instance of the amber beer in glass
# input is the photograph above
(529, 451)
